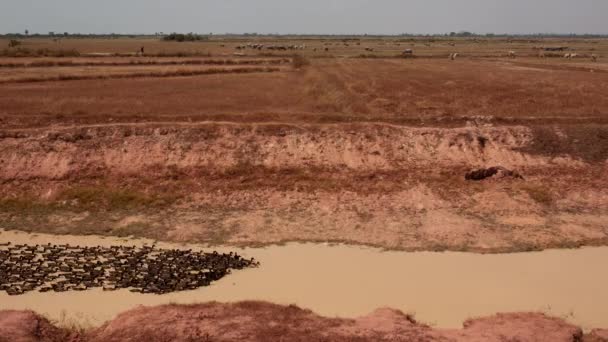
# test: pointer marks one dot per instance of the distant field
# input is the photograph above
(329, 90)
(385, 47)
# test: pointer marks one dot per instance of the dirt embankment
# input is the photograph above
(376, 184)
(220, 148)
(258, 321)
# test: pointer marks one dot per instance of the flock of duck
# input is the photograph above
(60, 268)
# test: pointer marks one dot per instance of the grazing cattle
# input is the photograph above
(512, 54)
(570, 55)
(407, 52)
(594, 57)
(369, 49)
(453, 56)
(541, 55)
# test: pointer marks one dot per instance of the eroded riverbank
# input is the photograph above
(442, 289)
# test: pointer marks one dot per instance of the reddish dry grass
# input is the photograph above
(425, 91)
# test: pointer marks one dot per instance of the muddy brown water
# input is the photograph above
(441, 289)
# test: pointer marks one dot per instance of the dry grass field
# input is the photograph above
(193, 143)
(342, 140)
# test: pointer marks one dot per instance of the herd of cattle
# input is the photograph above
(544, 51)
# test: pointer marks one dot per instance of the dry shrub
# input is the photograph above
(299, 62)
(588, 142)
(96, 198)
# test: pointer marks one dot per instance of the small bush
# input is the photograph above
(299, 61)
(13, 43)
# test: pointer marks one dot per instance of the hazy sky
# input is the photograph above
(305, 16)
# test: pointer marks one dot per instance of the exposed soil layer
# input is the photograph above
(384, 185)
(259, 321)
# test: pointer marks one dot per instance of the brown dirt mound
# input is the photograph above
(25, 326)
(259, 321)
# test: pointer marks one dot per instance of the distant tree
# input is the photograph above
(180, 37)
(452, 34)
(65, 34)
(51, 33)
(27, 32)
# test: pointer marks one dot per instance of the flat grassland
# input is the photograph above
(354, 144)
